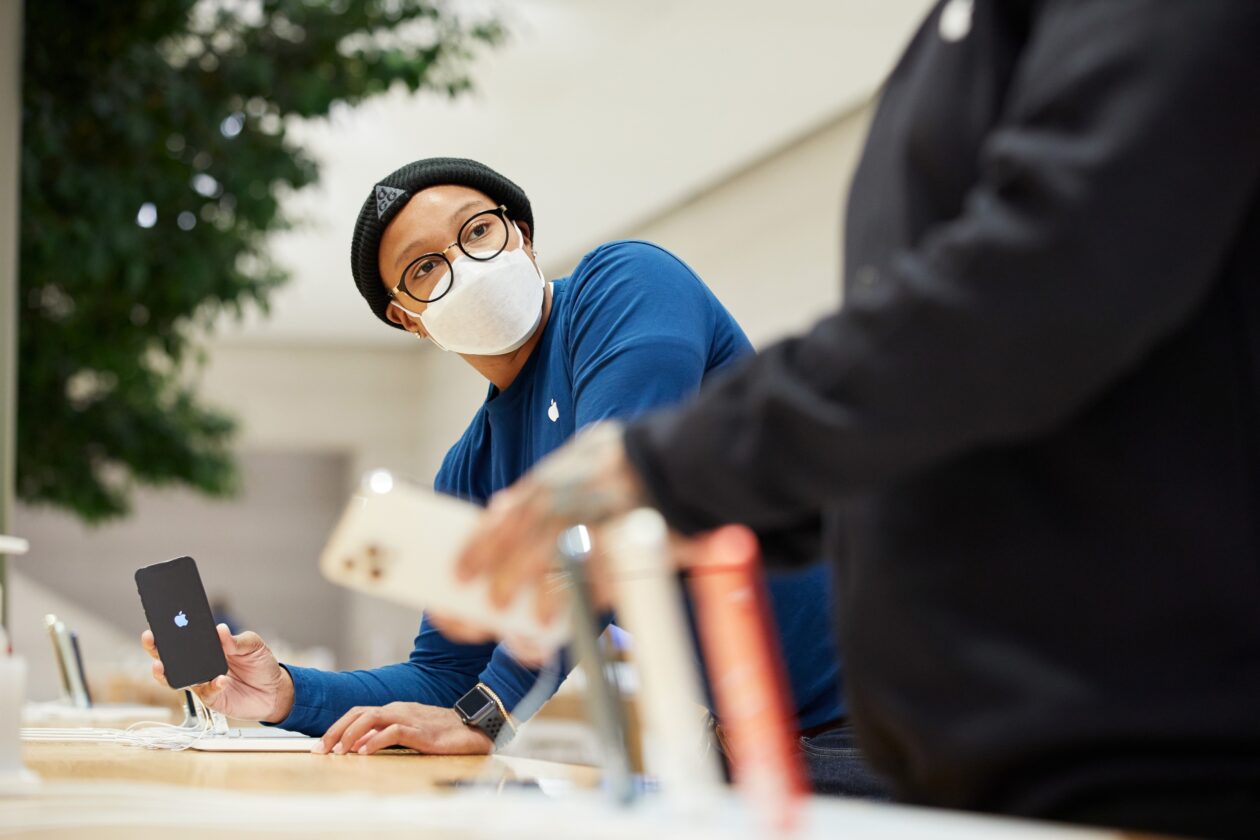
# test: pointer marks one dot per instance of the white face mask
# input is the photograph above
(493, 307)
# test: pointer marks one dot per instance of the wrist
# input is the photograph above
(470, 739)
(285, 694)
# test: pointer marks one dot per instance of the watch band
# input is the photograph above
(492, 718)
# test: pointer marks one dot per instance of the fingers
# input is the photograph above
(242, 644)
(588, 480)
(150, 647)
(159, 673)
(354, 727)
(534, 557)
(357, 746)
(514, 543)
(447, 736)
(548, 604)
(370, 721)
(333, 736)
(209, 692)
(394, 735)
(556, 589)
(158, 669)
(365, 730)
(479, 555)
(520, 547)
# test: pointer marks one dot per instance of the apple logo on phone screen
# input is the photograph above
(181, 620)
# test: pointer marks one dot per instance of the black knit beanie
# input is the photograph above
(391, 194)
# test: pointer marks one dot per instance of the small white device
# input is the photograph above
(400, 542)
(256, 740)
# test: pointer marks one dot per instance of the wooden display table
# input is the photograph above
(91, 791)
(387, 773)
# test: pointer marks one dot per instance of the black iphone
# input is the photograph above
(179, 616)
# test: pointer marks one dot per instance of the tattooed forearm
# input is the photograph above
(589, 480)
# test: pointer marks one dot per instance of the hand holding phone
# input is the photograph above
(255, 687)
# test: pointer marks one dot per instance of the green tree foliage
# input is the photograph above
(154, 149)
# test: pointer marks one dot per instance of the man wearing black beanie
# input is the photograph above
(444, 249)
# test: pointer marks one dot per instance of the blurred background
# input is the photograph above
(196, 373)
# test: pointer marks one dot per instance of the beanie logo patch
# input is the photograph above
(385, 197)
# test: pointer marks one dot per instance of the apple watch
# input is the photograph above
(481, 709)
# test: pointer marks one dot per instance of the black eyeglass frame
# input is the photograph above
(401, 285)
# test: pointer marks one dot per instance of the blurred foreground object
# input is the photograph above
(736, 625)
(154, 156)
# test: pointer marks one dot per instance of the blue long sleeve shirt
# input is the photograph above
(633, 328)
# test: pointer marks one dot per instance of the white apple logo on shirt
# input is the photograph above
(553, 412)
(181, 620)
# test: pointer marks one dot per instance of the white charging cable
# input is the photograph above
(154, 735)
(199, 721)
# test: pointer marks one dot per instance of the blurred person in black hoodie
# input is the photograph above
(1030, 438)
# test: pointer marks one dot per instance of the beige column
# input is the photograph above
(10, 191)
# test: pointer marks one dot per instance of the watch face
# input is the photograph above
(472, 704)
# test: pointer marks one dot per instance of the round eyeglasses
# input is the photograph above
(430, 276)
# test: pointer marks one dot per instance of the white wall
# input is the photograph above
(373, 404)
(768, 241)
